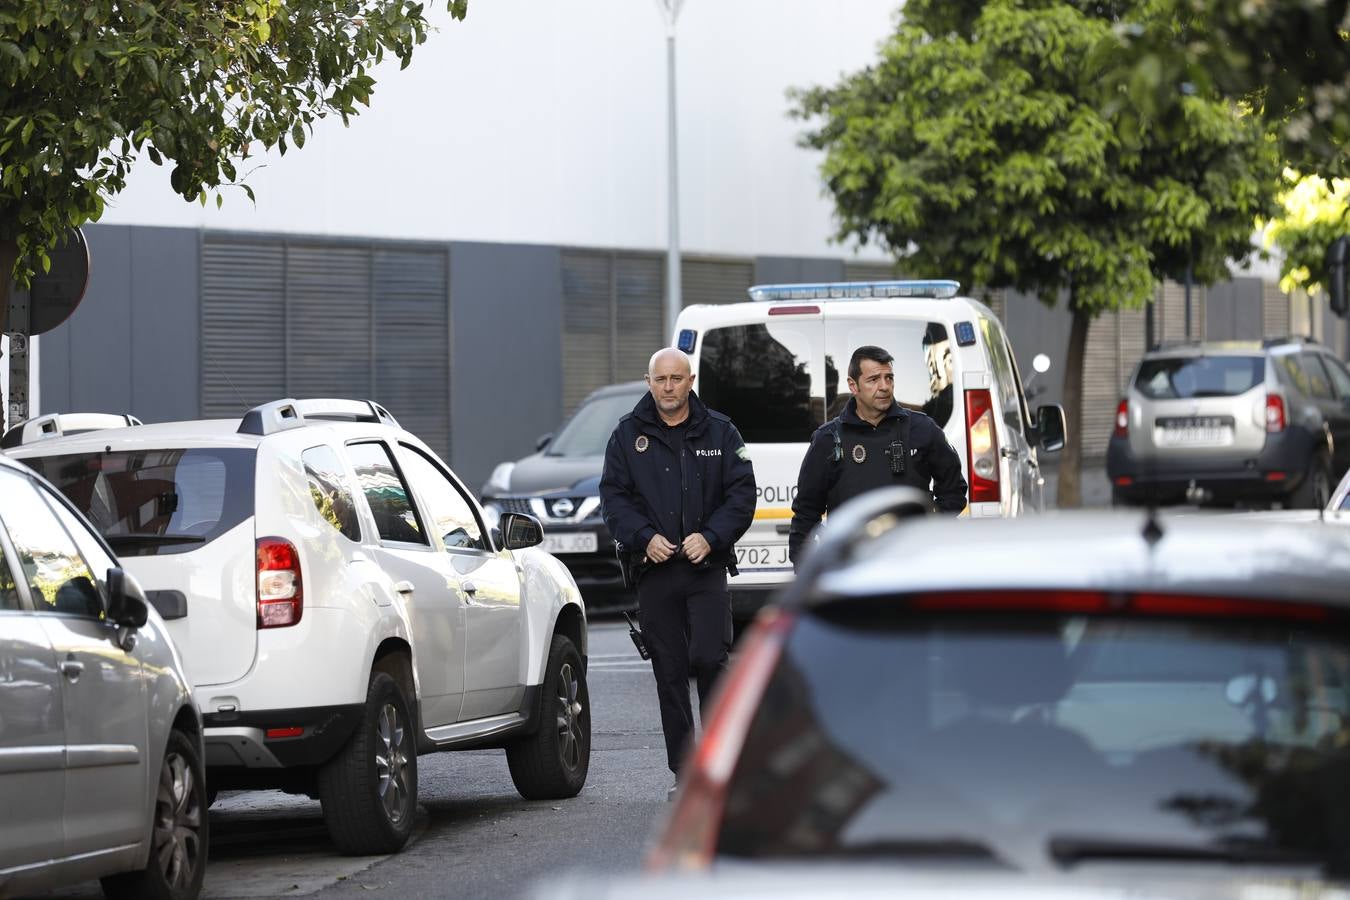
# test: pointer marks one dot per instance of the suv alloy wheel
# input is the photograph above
(552, 763)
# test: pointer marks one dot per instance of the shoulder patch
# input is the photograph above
(743, 453)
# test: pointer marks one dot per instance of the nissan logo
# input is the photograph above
(562, 508)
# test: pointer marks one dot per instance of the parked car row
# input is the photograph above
(341, 604)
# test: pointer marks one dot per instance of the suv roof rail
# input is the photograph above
(281, 415)
(929, 289)
(865, 516)
(1289, 339)
(55, 425)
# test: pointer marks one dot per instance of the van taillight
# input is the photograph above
(981, 447)
(1275, 419)
(280, 590)
(1123, 419)
(689, 838)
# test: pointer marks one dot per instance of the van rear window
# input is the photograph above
(761, 377)
(154, 502)
(1182, 378)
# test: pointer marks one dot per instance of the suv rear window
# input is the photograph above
(886, 733)
(154, 502)
(1182, 378)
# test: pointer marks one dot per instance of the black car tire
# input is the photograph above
(179, 835)
(552, 762)
(368, 790)
(1315, 489)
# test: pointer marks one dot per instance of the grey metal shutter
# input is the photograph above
(639, 289)
(870, 271)
(328, 350)
(587, 335)
(1275, 313)
(1130, 348)
(243, 325)
(715, 281)
(412, 341)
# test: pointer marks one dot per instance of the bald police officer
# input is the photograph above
(872, 443)
(678, 490)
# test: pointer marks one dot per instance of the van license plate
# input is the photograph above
(583, 542)
(773, 557)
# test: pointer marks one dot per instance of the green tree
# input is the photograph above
(1290, 59)
(978, 147)
(1314, 212)
(86, 86)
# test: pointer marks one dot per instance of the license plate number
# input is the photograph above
(762, 556)
(1195, 433)
(570, 543)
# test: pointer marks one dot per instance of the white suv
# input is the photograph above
(340, 602)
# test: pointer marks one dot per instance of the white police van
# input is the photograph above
(778, 366)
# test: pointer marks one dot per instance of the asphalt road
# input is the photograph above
(476, 837)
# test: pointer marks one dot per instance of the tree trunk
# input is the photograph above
(1071, 458)
(9, 252)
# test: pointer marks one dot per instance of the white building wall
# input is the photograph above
(546, 123)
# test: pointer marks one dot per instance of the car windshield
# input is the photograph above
(1199, 376)
(587, 432)
(1034, 739)
(149, 502)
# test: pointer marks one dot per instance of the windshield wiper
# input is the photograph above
(137, 539)
(1069, 850)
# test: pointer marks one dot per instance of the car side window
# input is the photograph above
(89, 546)
(329, 490)
(1319, 384)
(387, 494)
(58, 577)
(450, 512)
(9, 590)
(1339, 376)
(1006, 382)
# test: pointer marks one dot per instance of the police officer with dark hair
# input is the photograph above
(677, 492)
(873, 442)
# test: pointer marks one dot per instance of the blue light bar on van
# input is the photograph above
(856, 290)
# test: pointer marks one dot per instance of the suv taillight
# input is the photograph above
(1275, 420)
(280, 590)
(1123, 419)
(981, 447)
(689, 838)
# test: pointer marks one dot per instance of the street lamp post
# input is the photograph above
(670, 9)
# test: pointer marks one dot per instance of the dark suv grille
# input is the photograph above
(514, 505)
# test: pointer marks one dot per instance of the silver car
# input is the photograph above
(100, 743)
(1232, 422)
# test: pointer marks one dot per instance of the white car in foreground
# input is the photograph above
(341, 603)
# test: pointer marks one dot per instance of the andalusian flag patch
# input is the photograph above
(743, 453)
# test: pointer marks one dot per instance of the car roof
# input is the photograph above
(609, 390)
(1224, 555)
(191, 433)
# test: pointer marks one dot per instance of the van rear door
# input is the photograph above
(770, 376)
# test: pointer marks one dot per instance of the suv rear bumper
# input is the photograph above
(240, 741)
(1287, 455)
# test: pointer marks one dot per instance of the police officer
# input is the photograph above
(872, 443)
(677, 491)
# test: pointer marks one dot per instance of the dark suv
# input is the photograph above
(1232, 422)
(560, 485)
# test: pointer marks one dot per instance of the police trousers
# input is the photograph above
(685, 614)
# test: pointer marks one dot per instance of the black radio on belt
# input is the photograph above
(896, 452)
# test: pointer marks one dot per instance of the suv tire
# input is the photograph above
(1315, 489)
(178, 835)
(551, 763)
(369, 788)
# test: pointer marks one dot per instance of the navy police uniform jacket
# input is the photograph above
(676, 482)
(824, 482)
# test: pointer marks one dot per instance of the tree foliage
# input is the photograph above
(198, 85)
(1290, 59)
(983, 145)
(1315, 212)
